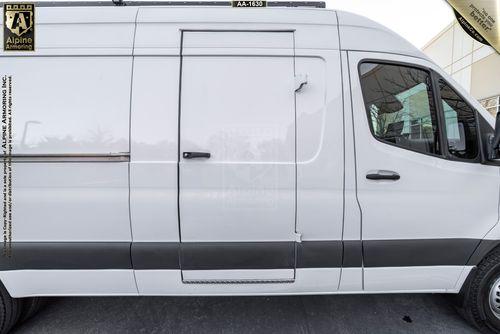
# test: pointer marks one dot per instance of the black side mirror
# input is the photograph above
(495, 141)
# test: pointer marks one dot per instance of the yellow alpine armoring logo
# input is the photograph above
(19, 27)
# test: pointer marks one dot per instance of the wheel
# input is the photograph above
(10, 309)
(481, 298)
(30, 307)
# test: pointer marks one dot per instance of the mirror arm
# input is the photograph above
(495, 142)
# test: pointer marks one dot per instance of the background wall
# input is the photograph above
(474, 65)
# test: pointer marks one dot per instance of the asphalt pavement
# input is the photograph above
(419, 313)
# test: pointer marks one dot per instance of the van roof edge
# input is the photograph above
(311, 4)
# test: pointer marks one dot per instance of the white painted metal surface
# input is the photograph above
(77, 31)
(168, 283)
(446, 279)
(241, 110)
(65, 202)
(357, 33)
(69, 105)
(26, 283)
(153, 160)
(309, 281)
(319, 146)
(434, 198)
(106, 80)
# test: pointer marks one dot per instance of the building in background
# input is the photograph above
(474, 65)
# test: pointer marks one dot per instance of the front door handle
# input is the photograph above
(383, 175)
(195, 155)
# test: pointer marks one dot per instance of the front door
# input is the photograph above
(427, 200)
(237, 161)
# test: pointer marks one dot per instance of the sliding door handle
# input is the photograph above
(195, 155)
(383, 175)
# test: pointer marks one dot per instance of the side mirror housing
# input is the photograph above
(495, 141)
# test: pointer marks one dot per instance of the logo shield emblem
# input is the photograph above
(19, 21)
(19, 27)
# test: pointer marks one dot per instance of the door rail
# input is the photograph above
(68, 157)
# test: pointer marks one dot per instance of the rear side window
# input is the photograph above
(460, 120)
(400, 106)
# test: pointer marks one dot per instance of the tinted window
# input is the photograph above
(460, 121)
(400, 106)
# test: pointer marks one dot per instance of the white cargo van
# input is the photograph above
(210, 150)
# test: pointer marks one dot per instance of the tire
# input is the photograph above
(480, 304)
(10, 309)
(30, 307)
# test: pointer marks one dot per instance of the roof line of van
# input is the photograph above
(313, 4)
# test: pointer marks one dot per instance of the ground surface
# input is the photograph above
(310, 314)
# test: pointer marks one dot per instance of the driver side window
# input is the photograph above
(403, 111)
(400, 106)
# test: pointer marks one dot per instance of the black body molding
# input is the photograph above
(245, 255)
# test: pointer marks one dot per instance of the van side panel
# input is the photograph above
(352, 275)
(69, 107)
(319, 143)
(319, 146)
(79, 31)
(418, 231)
(70, 115)
(28, 283)
(153, 161)
(357, 33)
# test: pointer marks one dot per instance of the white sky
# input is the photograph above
(416, 20)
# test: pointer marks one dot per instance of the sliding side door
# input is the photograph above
(237, 163)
